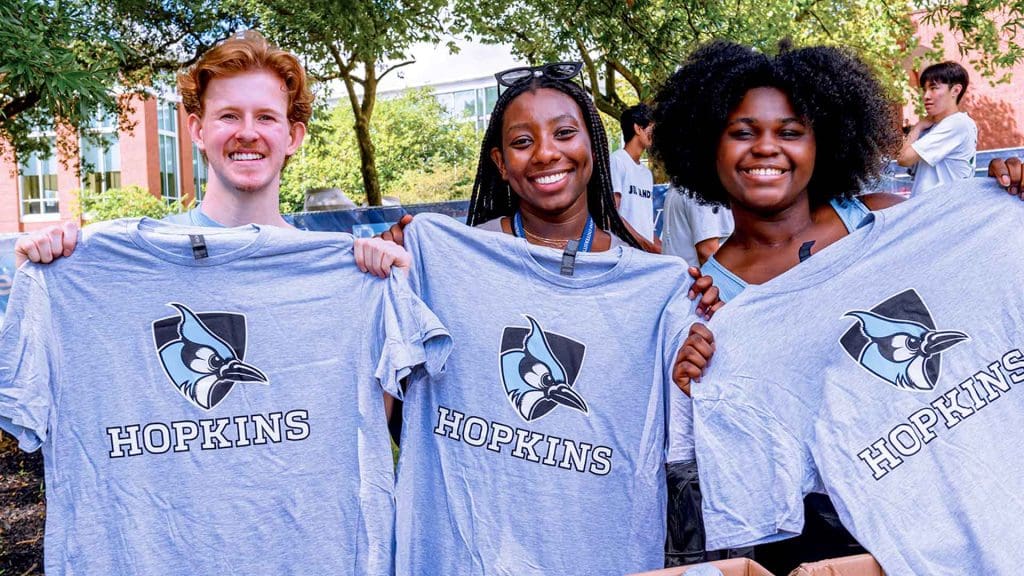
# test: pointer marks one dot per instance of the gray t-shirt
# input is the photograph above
(220, 415)
(887, 367)
(541, 448)
(494, 225)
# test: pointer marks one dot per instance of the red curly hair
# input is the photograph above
(244, 52)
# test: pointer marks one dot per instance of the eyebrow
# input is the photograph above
(747, 120)
(556, 119)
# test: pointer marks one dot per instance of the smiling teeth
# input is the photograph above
(246, 156)
(551, 179)
(765, 171)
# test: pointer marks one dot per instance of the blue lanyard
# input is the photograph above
(585, 240)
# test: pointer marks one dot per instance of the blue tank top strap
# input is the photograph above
(729, 284)
(852, 212)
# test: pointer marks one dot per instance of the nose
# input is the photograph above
(765, 145)
(546, 150)
(247, 130)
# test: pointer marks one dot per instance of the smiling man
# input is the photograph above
(248, 104)
(942, 146)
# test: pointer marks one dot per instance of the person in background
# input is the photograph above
(632, 182)
(691, 230)
(941, 147)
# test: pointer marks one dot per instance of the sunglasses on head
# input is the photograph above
(555, 71)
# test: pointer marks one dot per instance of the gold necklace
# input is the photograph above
(553, 242)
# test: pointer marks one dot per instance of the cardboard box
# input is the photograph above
(730, 567)
(860, 565)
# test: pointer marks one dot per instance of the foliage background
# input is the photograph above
(423, 154)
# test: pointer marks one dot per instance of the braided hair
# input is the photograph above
(493, 197)
(855, 128)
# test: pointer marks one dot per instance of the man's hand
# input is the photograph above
(693, 357)
(908, 156)
(47, 245)
(376, 256)
(1008, 172)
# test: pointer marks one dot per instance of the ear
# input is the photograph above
(298, 134)
(956, 90)
(499, 161)
(195, 131)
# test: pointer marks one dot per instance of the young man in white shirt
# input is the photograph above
(942, 146)
(632, 182)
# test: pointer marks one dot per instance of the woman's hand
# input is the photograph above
(1008, 172)
(704, 287)
(693, 357)
(396, 233)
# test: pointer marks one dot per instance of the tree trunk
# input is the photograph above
(368, 162)
(362, 112)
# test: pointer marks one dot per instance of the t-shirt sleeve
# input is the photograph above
(942, 140)
(28, 364)
(754, 470)
(706, 222)
(410, 335)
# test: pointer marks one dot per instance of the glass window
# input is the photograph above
(167, 133)
(490, 99)
(101, 162)
(38, 181)
(465, 104)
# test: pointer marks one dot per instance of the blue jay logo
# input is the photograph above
(539, 369)
(202, 354)
(897, 341)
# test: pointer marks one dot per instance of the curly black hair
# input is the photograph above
(493, 197)
(855, 125)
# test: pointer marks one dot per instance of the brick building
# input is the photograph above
(157, 154)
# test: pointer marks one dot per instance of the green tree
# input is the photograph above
(989, 30)
(65, 61)
(357, 42)
(128, 202)
(629, 47)
(423, 154)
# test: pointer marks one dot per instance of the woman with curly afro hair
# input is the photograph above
(787, 142)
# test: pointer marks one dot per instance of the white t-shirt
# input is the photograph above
(688, 223)
(634, 182)
(947, 152)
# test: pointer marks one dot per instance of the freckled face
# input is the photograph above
(766, 153)
(545, 153)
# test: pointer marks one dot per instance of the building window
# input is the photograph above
(101, 155)
(167, 133)
(199, 175)
(39, 183)
(473, 105)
